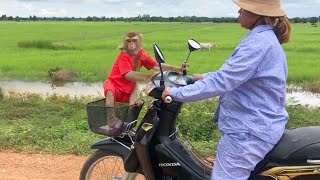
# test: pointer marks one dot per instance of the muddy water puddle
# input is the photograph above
(76, 89)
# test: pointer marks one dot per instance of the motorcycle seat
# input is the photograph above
(297, 144)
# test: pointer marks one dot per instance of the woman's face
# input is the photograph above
(247, 18)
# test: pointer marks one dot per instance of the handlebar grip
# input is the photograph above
(168, 99)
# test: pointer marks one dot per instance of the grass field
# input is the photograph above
(59, 124)
(90, 47)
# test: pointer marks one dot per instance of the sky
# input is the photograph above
(130, 8)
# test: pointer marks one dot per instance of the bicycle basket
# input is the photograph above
(112, 121)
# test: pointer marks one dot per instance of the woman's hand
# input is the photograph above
(165, 92)
(197, 76)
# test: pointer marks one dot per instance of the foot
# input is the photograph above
(112, 130)
(138, 102)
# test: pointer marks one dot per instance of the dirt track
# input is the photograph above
(22, 166)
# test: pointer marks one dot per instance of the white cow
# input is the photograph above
(208, 45)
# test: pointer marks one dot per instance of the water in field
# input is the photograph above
(60, 88)
(295, 95)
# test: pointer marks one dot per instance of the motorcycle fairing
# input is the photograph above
(142, 149)
(131, 163)
(193, 166)
(173, 166)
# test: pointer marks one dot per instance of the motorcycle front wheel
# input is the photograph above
(106, 165)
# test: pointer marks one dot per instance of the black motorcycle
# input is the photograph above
(154, 151)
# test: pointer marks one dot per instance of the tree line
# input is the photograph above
(148, 18)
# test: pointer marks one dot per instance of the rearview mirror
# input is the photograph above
(160, 59)
(193, 45)
(158, 54)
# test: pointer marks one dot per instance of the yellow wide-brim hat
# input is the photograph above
(270, 8)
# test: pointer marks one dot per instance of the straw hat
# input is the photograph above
(262, 7)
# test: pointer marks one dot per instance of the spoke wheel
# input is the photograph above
(104, 165)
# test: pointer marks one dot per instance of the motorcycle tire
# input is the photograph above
(104, 164)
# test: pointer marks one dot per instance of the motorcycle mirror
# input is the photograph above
(160, 59)
(158, 54)
(193, 45)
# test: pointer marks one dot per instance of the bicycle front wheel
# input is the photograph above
(106, 165)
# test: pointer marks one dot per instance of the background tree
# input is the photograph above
(313, 21)
(3, 17)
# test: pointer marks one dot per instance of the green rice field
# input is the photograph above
(29, 49)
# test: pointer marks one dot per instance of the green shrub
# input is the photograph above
(196, 121)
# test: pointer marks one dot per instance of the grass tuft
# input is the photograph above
(1, 94)
(312, 86)
(43, 44)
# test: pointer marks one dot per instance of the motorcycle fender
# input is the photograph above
(109, 144)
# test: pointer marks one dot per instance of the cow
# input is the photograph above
(208, 45)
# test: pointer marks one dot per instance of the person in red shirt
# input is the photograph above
(121, 86)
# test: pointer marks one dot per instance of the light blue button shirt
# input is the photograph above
(251, 85)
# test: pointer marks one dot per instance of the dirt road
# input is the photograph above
(23, 166)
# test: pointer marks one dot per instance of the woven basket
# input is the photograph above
(124, 117)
